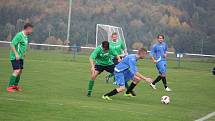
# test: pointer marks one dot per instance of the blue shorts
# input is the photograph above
(161, 67)
(122, 77)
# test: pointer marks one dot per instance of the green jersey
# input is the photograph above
(119, 46)
(103, 58)
(20, 42)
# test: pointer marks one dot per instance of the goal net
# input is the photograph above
(104, 32)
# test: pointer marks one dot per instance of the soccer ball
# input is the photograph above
(165, 99)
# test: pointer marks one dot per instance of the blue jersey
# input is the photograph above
(128, 63)
(158, 50)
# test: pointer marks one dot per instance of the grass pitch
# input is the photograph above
(55, 90)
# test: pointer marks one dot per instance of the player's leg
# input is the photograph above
(18, 88)
(98, 70)
(129, 76)
(16, 72)
(165, 83)
(121, 82)
(163, 75)
(158, 66)
(113, 92)
(110, 75)
(133, 84)
(110, 69)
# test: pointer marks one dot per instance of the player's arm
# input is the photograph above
(92, 69)
(149, 80)
(165, 51)
(93, 58)
(14, 42)
(92, 63)
(153, 59)
(124, 48)
(152, 55)
(118, 58)
(125, 51)
(28, 49)
(133, 69)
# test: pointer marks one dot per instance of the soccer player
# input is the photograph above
(158, 56)
(18, 49)
(119, 47)
(127, 70)
(100, 60)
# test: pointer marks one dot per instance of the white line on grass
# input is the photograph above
(206, 117)
(55, 104)
(11, 99)
(83, 106)
(17, 100)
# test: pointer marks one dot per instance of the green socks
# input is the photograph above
(90, 87)
(12, 80)
(17, 80)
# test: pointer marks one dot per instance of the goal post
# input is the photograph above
(104, 32)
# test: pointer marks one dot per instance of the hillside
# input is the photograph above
(185, 23)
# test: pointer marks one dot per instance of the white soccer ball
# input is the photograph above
(165, 99)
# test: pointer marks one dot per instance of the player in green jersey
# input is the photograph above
(119, 47)
(118, 44)
(18, 49)
(100, 60)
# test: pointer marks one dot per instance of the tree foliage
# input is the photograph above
(185, 23)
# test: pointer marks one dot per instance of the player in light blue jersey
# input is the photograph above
(127, 70)
(158, 56)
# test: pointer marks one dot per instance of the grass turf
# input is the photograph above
(55, 90)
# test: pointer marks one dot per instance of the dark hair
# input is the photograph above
(114, 33)
(160, 35)
(28, 25)
(105, 45)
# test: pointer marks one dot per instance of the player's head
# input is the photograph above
(114, 36)
(142, 52)
(28, 28)
(160, 38)
(105, 45)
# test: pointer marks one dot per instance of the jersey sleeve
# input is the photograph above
(16, 40)
(122, 45)
(166, 48)
(152, 51)
(132, 65)
(94, 54)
